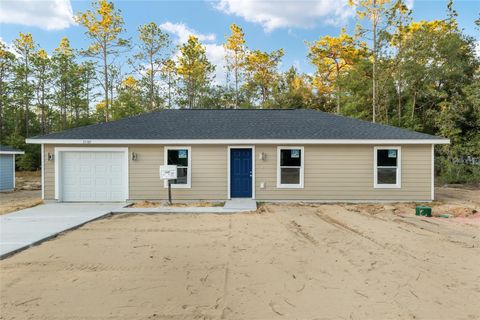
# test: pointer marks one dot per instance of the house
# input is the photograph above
(7, 167)
(223, 154)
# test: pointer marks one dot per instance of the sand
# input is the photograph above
(27, 192)
(284, 262)
(20, 199)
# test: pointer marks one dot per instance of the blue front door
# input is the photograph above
(241, 173)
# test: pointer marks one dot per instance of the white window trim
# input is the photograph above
(43, 170)
(302, 168)
(189, 169)
(58, 159)
(229, 168)
(398, 185)
(433, 172)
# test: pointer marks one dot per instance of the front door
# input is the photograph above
(241, 173)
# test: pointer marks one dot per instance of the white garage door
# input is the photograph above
(93, 176)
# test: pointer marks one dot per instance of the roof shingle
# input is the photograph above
(238, 124)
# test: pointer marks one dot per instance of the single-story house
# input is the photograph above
(222, 154)
(7, 167)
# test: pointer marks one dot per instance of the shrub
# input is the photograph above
(449, 172)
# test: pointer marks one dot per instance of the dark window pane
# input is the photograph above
(181, 176)
(291, 158)
(386, 176)
(387, 158)
(290, 175)
(178, 157)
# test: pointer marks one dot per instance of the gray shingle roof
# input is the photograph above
(7, 149)
(238, 124)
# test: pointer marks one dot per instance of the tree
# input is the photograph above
(235, 57)
(7, 70)
(194, 70)
(262, 73)
(294, 90)
(168, 74)
(63, 65)
(104, 27)
(399, 16)
(332, 57)
(43, 76)
(149, 59)
(129, 100)
(24, 46)
(375, 11)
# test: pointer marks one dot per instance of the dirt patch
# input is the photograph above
(156, 204)
(27, 192)
(17, 200)
(28, 180)
(290, 262)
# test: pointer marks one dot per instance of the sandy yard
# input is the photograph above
(283, 262)
(27, 193)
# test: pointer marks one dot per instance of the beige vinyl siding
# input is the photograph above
(345, 172)
(49, 173)
(332, 172)
(209, 172)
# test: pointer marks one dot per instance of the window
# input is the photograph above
(387, 167)
(181, 157)
(290, 167)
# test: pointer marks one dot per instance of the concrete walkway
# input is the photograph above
(24, 228)
(241, 204)
(231, 206)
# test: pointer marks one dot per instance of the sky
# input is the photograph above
(268, 24)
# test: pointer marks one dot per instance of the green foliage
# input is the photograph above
(195, 72)
(148, 62)
(457, 173)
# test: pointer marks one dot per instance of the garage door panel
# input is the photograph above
(115, 168)
(93, 176)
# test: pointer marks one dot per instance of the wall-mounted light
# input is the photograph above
(50, 156)
(262, 156)
(134, 156)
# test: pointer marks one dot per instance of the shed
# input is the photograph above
(7, 167)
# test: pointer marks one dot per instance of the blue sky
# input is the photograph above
(268, 25)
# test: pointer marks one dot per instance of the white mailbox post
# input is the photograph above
(169, 173)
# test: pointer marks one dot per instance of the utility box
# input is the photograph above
(423, 211)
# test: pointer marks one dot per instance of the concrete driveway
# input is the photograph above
(24, 228)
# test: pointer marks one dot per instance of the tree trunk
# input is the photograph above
(399, 104)
(169, 90)
(413, 104)
(152, 100)
(338, 89)
(236, 82)
(26, 95)
(105, 70)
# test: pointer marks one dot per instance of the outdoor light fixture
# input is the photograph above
(263, 156)
(50, 156)
(134, 156)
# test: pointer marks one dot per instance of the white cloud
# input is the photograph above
(216, 55)
(9, 47)
(409, 4)
(287, 13)
(215, 52)
(183, 32)
(45, 14)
